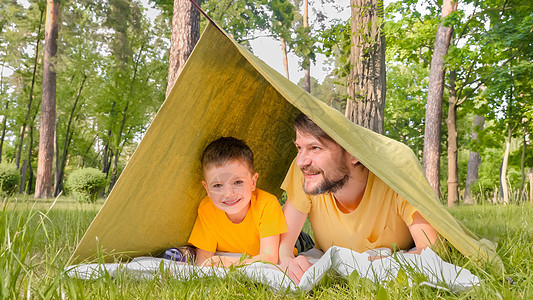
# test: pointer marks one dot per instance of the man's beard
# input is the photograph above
(328, 185)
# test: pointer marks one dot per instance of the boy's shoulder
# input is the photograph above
(206, 203)
(263, 198)
(264, 194)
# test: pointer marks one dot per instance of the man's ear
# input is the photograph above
(254, 181)
(353, 161)
(205, 187)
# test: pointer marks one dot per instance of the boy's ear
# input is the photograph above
(205, 187)
(254, 181)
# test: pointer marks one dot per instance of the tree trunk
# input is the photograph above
(503, 174)
(18, 154)
(57, 153)
(43, 187)
(285, 59)
(185, 35)
(451, 121)
(531, 185)
(106, 156)
(60, 171)
(307, 61)
(523, 195)
(474, 160)
(23, 172)
(4, 129)
(367, 84)
(118, 149)
(30, 168)
(432, 133)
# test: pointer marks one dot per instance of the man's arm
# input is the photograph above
(424, 235)
(295, 267)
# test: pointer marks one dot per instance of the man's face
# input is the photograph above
(325, 165)
(230, 187)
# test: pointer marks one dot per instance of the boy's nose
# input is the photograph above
(228, 192)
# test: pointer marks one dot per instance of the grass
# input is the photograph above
(36, 243)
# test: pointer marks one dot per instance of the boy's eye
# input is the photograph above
(238, 182)
(217, 185)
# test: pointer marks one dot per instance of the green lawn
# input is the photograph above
(37, 243)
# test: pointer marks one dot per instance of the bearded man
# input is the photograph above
(348, 206)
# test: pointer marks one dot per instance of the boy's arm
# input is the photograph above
(268, 252)
(269, 249)
(295, 267)
(202, 256)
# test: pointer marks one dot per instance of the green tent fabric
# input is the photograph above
(224, 90)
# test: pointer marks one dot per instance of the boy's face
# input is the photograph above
(230, 187)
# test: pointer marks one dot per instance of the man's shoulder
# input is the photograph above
(376, 182)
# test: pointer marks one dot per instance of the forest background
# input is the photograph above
(111, 71)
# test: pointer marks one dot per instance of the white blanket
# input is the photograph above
(438, 273)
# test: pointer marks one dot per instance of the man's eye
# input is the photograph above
(217, 186)
(238, 182)
(315, 148)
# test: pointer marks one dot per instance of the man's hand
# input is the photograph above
(295, 267)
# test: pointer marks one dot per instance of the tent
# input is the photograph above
(224, 90)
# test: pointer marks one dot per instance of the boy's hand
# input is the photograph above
(295, 267)
(214, 261)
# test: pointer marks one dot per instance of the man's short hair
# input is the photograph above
(304, 124)
(226, 149)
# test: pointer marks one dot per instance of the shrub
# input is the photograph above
(85, 184)
(9, 179)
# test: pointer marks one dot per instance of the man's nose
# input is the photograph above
(303, 159)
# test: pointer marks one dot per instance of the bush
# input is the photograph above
(85, 184)
(9, 179)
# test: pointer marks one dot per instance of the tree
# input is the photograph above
(43, 187)
(474, 160)
(306, 62)
(132, 85)
(367, 85)
(281, 22)
(185, 35)
(509, 88)
(432, 133)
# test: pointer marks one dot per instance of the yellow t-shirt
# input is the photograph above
(213, 231)
(380, 220)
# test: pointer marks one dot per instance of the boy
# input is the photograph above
(235, 216)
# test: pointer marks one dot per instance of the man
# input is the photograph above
(348, 206)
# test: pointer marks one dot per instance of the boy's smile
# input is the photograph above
(230, 187)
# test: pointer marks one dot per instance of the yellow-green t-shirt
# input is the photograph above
(380, 220)
(213, 231)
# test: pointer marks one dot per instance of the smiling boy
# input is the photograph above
(235, 216)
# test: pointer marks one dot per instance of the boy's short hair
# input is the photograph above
(304, 124)
(226, 149)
